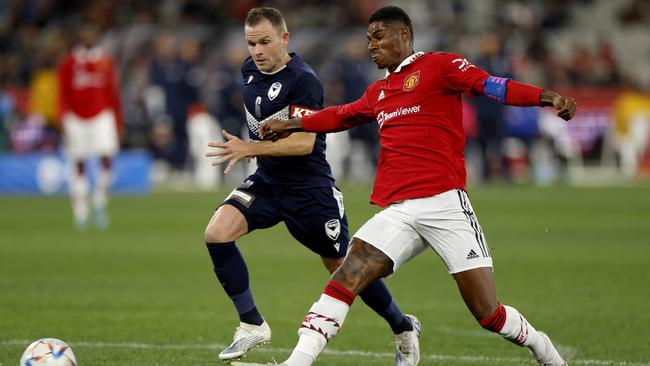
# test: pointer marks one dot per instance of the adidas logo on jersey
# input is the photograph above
(472, 254)
(381, 96)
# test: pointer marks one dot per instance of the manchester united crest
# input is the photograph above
(412, 81)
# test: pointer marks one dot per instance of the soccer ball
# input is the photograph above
(48, 352)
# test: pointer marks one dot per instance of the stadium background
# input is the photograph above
(564, 206)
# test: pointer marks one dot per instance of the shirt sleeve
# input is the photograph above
(341, 117)
(460, 75)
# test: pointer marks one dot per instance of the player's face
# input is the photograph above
(88, 35)
(388, 44)
(267, 46)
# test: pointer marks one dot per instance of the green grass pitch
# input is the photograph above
(576, 262)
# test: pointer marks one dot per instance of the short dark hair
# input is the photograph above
(256, 15)
(392, 14)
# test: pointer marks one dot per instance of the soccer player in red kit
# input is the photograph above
(420, 183)
(89, 111)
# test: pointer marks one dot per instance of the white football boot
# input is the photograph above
(408, 345)
(550, 357)
(246, 337)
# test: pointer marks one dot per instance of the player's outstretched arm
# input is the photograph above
(331, 119)
(235, 149)
(511, 92)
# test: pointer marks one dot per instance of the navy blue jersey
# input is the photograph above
(291, 92)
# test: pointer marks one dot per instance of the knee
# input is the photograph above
(226, 225)
(357, 272)
(216, 233)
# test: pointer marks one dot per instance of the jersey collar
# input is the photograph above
(273, 72)
(406, 61)
(88, 54)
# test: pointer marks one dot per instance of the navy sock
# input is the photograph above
(377, 297)
(232, 272)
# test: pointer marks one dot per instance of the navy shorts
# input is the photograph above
(315, 217)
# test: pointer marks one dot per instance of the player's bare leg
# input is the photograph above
(405, 327)
(101, 193)
(362, 265)
(477, 290)
(366, 282)
(78, 188)
(227, 225)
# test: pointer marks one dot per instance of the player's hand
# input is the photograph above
(566, 106)
(274, 129)
(232, 151)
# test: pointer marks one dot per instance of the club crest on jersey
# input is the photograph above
(412, 81)
(333, 229)
(274, 90)
(299, 112)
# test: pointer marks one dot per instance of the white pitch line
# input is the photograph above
(331, 352)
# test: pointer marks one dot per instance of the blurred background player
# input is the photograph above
(293, 184)
(420, 183)
(90, 113)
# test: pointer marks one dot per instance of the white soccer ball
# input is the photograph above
(48, 352)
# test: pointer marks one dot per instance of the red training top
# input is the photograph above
(419, 111)
(87, 84)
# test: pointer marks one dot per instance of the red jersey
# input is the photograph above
(87, 84)
(419, 111)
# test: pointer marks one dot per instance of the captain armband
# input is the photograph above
(494, 87)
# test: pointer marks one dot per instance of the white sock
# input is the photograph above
(79, 197)
(321, 324)
(517, 330)
(102, 186)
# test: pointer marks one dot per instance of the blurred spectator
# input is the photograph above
(172, 80)
(556, 13)
(606, 68)
(632, 128)
(581, 67)
(636, 12)
(227, 85)
(490, 114)
(346, 78)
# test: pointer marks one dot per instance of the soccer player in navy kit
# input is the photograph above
(293, 184)
(420, 183)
